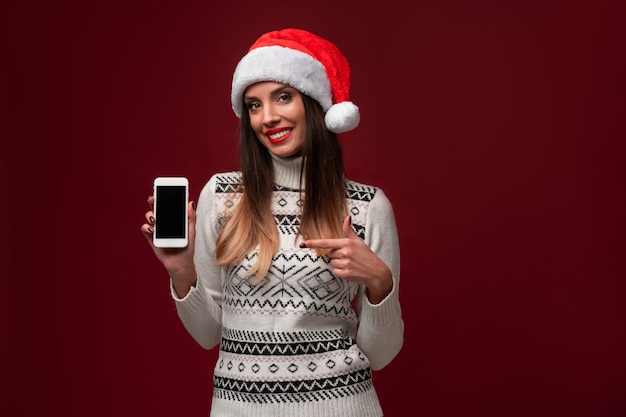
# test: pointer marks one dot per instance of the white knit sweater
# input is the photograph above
(301, 342)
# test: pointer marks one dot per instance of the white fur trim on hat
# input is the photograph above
(285, 65)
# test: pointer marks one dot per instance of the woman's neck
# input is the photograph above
(287, 171)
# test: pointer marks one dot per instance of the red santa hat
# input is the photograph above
(305, 61)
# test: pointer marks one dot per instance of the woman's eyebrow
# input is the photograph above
(273, 92)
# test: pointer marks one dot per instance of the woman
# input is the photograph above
(293, 268)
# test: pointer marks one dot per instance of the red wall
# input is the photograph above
(496, 128)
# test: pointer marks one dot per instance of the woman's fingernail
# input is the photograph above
(303, 245)
(151, 219)
(151, 229)
(193, 205)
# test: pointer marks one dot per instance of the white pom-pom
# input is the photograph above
(342, 117)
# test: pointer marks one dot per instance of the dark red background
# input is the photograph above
(496, 128)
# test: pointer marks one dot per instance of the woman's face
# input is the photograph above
(277, 117)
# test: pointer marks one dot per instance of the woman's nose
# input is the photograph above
(270, 115)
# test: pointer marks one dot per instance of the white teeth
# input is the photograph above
(279, 134)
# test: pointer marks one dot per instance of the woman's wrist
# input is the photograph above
(378, 291)
(183, 281)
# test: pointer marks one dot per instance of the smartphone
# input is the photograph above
(171, 195)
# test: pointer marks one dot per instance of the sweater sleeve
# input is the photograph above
(201, 309)
(381, 329)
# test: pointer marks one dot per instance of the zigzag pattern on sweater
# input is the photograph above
(340, 392)
(301, 258)
(285, 349)
(360, 192)
(292, 387)
(283, 337)
(288, 224)
(281, 307)
(227, 182)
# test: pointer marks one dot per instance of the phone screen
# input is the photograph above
(171, 204)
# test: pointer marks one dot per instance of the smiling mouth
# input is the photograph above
(277, 137)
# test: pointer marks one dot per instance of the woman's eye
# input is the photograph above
(253, 106)
(284, 97)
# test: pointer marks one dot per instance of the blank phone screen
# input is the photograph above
(170, 211)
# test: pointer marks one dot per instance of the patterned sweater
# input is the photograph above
(301, 342)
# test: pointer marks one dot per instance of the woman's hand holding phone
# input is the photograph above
(178, 262)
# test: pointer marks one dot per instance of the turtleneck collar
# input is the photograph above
(287, 171)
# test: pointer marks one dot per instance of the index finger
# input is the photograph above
(322, 244)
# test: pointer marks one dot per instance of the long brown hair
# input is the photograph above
(251, 223)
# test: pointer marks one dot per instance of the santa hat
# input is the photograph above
(305, 61)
